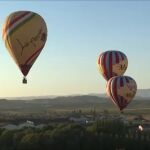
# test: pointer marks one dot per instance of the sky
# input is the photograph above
(78, 31)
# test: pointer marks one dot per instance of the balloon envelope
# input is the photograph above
(24, 34)
(112, 63)
(121, 90)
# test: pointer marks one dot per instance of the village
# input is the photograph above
(138, 123)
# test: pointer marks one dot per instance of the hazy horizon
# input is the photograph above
(140, 92)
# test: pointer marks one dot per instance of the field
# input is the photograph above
(64, 106)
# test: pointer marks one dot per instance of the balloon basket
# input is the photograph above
(121, 112)
(24, 81)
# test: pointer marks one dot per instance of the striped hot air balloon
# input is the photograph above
(121, 90)
(24, 34)
(112, 63)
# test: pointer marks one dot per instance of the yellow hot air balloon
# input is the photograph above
(24, 34)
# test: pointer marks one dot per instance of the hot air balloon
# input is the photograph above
(112, 63)
(121, 90)
(24, 34)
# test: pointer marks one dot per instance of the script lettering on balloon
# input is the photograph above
(122, 67)
(32, 41)
(130, 95)
(131, 87)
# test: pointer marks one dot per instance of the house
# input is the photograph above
(10, 127)
(40, 126)
(26, 124)
(22, 125)
(81, 119)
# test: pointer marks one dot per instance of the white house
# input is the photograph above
(26, 124)
(10, 127)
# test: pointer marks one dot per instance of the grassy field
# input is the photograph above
(66, 105)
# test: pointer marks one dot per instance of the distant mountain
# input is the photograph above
(65, 103)
(29, 97)
(98, 94)
(143, 93)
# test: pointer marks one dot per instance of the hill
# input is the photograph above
(68, 103)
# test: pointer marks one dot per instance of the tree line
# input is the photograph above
(101, 135)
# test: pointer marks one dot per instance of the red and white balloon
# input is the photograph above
(121, 90)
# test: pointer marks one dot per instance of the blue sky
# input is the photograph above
(78, 31)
